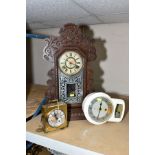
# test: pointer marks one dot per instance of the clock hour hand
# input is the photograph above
(71, 61)
(55, 115)
(99, 110)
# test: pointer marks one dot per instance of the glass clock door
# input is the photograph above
(70, 75)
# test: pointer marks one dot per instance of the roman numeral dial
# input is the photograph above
(70, 62)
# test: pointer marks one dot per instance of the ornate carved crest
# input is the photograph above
(70, 36)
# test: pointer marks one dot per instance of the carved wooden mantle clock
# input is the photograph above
(70, 77)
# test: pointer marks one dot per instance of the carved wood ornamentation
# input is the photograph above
(70, 37)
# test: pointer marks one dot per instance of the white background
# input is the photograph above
(13, 77)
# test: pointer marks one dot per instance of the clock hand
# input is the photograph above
(71, 62)
(55, 115)
(99, 110)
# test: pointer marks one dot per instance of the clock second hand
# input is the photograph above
(99, 110)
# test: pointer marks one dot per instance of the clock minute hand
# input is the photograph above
(99, 110)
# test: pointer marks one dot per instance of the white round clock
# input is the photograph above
(99, 108)
(70, 62)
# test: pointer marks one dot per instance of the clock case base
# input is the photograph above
(75, 112)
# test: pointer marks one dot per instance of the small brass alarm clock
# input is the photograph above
(54, 116)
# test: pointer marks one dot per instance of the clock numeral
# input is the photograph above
(66, 70)
(78, 62)
(71, 54)
(64, 67)
(76, 66)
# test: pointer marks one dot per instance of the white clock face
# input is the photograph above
(100, 109)
(56, 118)
(70, 62)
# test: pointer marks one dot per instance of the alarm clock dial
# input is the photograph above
(100, 109)
(56, 118)
(70, 62)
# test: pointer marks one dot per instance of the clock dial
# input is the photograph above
(70, 62)
(100, 109)
(56, 118)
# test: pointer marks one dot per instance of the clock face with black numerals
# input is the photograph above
(70, 62)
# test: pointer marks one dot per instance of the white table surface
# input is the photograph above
(82, 138)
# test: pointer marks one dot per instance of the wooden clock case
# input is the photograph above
(71, 38)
